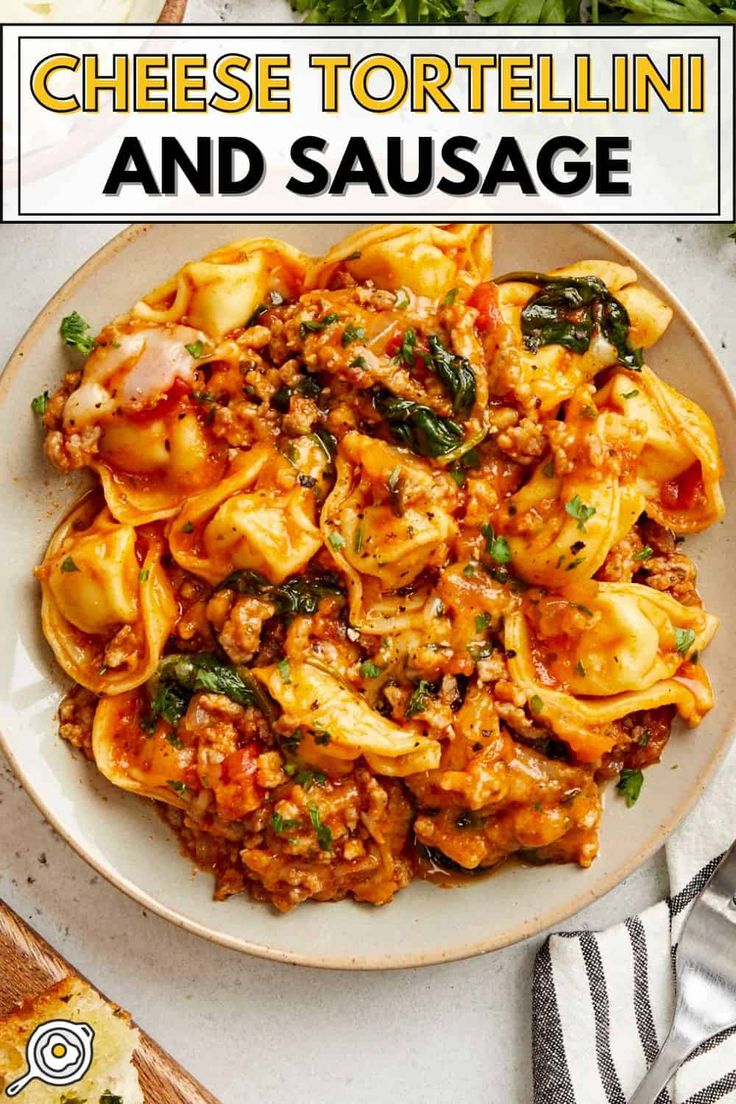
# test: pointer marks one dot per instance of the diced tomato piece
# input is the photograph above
(682, 492)
(240, 765)
(485, 300)
(394, 344)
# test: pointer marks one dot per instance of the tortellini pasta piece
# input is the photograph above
(389, 517)
(680, 466)
(312, 698)
(544, 378)
(625, 653)
(107, 603)
(146, 764)
(561, 528)
(223, 291)
(259, 518)
(153, 444)
(429, 260)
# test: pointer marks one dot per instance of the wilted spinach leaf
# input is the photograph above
(418, 426)
(300, 594)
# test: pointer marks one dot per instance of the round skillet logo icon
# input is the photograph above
(58, 1052)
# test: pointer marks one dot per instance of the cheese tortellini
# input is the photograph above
(107, 606)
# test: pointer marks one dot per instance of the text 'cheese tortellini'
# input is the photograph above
(543, 357)
(107, 605)
(591, 656)
(388, 517)
(223, 291)
(312, 698)
(561, 527)
(680, 465)
(142, 762)
(138, 401)
(428, 260)
(260, 517)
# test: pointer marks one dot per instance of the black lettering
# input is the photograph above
(422, 182)
(175, 158)
(320, 178)
(228, 184)
(130, 167)
(469, 181)
(357, 167)
(517, 172)
(606, 166)
(579, 173)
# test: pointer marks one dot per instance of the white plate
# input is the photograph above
(121, 836)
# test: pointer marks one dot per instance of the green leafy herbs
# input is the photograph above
(644, 553)
(450, 297)
(195, 349)
(143, 575)
(407, 350)
(304, 776)
(316, 325)
(77, 333)
(684, 640)
(300, 594)
(549, 469)
(629, 785)
(177, 787)
(631, 394)
(418, 426)
(419, 698)
(324, 833)
(337, 541)
(395, 483)
(570, 311)
(322, 739)
(180, 676)
(284, 670)
(369, 669)
(40, 403)
(496, 547)
(578, 510)
(306, 385)
(381, 11)
(110, 1098)
(68, 565)
(326, 441)
(482, 622)
(536, 704)
(455, 375)
(352, 333)
(282, 824)
(580, 669)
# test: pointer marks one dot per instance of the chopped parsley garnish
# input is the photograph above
(395, 484)
(451, 296)
(284, 670)
(418, 701)
(358, 362)
(352, 333)
(482, 621)
(304, 777)
(40, 402)
(549, 469)
(406, 352)
(536, 704)
(324, 833)
(143, 575)
(68, 564)
(336, 541)
(77, 333)
(684, 640)
(582, 513)
(369, 669)
(644, 553)
(187, 527)
(469, 569)
(496, 547)
(629, 785)
(322, 738)
(630, 394)
(580, 669)
(403, 302)
(314, 325)
(177, 787)
(358, 542)
(196, 348)
(283, 824)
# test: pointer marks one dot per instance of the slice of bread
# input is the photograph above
(111, 1078)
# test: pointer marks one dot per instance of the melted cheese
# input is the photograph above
(132, 374)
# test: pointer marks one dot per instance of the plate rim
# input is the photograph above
(536, 923)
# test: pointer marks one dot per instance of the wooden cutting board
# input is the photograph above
(28, 965)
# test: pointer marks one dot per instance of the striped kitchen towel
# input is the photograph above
(603, 1001)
